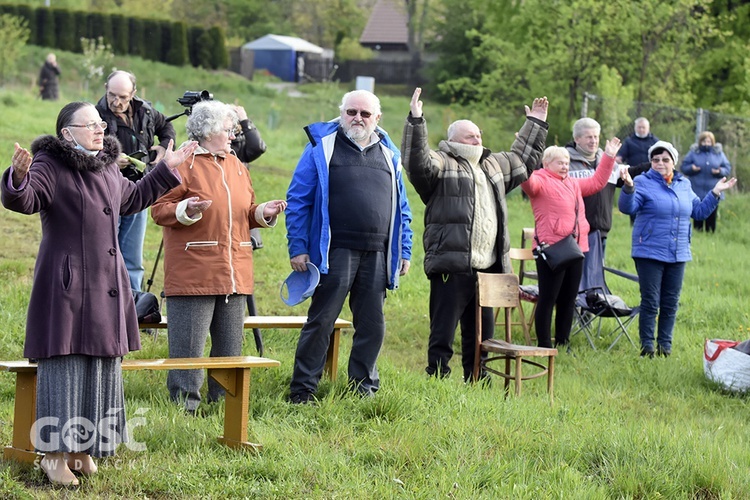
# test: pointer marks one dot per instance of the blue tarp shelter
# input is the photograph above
(282, 56)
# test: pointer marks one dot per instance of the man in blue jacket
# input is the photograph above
(348, 214)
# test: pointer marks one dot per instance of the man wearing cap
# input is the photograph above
(664, 201)
(347, 214)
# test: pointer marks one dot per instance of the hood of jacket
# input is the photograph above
(716, 148)
(74, 158)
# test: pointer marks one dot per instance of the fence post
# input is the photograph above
(701, 119)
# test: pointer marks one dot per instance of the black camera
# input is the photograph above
(191, 97)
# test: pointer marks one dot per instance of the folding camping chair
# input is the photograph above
(595, 300)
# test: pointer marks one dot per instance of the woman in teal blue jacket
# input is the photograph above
(664, 202)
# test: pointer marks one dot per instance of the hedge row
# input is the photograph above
(166, 41)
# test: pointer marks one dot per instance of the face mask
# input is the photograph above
(704, 149)
(81, 148)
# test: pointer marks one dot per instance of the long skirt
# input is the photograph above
(80, 405)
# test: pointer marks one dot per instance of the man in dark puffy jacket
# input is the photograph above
(463, 186)
(135, 123)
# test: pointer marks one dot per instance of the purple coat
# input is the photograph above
(80, 300)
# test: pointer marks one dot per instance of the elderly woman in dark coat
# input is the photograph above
(81, 317)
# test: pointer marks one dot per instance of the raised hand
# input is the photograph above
(20, 162)
(174, 158)
(416, 104)
(160, 152)
(538, 109)
(196, 206)
(723, 185)
(625, 176)
(612, 147)
(273, 208)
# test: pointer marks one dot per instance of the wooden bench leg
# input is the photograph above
(236, 383)
(332, 359)
(551, 379)
(519, 367)
(24, 416)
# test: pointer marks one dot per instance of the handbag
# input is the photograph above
(562, 254)
(727, 365)
(146, 307)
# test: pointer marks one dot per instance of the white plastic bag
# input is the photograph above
(726, 366)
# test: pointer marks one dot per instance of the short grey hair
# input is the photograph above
(584, 124)
(118, 72)
(641, 119)
(454, 127)
(207, 119)
(553, 153)
(373, 99)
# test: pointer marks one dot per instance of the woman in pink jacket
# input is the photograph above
(557, 201)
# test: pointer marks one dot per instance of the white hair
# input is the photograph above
(371, 98)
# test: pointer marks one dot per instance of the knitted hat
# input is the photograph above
(663, 146)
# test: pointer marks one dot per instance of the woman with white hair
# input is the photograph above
(557, 202)
(664, 202)
(208, 255)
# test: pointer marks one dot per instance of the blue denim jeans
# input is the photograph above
(661, 284)
(131, 234)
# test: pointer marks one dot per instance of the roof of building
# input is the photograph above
(387, 24)
(280, 42)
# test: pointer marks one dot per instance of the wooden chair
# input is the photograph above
(527, 293)
(527, 241)
(501, 290)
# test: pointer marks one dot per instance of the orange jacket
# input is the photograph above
(211, 254)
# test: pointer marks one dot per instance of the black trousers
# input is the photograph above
(362, 276)
(709, 223)
(453, 301)
(556, 289)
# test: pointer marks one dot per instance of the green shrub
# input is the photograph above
(45, 28)
(178, 47)
(218, 48)
(14, 33)
(152, 33)
(137, 42)
(29, 13)
(81, 28)
(120, 38)
(65, 29)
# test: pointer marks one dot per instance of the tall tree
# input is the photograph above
(558, 48)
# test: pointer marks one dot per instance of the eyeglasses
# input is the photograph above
(230, 131)
(362, 113)
(92, 125)
(661, 160)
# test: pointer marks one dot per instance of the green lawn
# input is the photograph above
(621, 426)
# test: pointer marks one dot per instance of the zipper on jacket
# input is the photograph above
(231, 223)
(191, 244)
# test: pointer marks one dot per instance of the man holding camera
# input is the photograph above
(135, 123)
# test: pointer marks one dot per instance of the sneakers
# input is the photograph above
(647, 353)
(663, 352)
(301, 398)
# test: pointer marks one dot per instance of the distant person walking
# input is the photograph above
(49, 77)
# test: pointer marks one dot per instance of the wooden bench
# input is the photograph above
(296, 322)
(232, 373)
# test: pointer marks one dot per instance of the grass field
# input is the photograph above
(621, 426)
